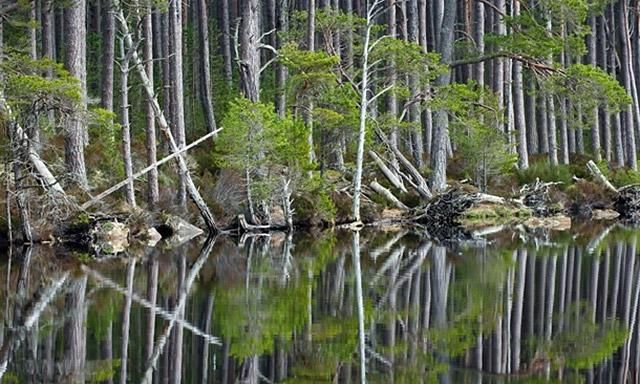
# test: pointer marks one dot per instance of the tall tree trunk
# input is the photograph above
(153, 194)
(125, 124)
(249, 55)
(440, 134)
(177, 83)
(533, 146)
(311, 46)
(75, 62)
(282, 8)
(520, 118)
(226, 43)
(414, 110)
(595, 124)
(205, 66)
(108, 57)
(628, 80)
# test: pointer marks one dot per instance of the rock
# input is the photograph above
(182, 231)
(152, 237)
(557, 223)
(604, 214)
(110, 237)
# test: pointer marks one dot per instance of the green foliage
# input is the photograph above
(619, 177)
(530, 38)
(27, 91)
(257, 141)
(545, 172)
(475, 126)
(587, 87)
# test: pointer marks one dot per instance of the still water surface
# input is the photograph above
(558, 307)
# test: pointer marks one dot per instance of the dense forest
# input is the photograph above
(308, 112)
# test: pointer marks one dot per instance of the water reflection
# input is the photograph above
(333, 307)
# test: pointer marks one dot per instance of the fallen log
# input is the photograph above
(390, 175)
(49, 181)
(599, 176)
(146, 170)
(246, 227)
(418, 182)
(384, 192)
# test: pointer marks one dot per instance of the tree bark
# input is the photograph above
(75, 62)
(249, 55)
(108, 56)
(440, 134)
(177, 83)
(124, 122)
(205, 66)
(153, 193)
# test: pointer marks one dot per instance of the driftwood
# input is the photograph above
(443, 212)
(535, 196)
(388, 173)
(387, 194)
(146, 170)
(242, 222)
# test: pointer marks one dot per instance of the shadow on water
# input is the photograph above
(335, 307)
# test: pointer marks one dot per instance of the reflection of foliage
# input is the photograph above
(476, 292)
(585, 343)
(252, 318)
(334, 341)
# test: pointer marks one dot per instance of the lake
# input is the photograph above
(520, 306)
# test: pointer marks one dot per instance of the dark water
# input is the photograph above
(546, 307)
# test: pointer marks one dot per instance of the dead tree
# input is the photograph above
(160, 118)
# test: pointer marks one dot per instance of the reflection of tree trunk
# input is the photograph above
(206, 326)
(179, 308)
(359, 304)
(426, 311)
(551, 289)
(531, 282)
(563, 286)
(74, 332)
(541, 302)
(570, 271)
(225, 361)
(179, 330)
(415, 316)
(281, 360)
(517, 313)
(249, 371)
(605, 284)
(126, 322)
(616, 279)
(628, 290)
(440, 289)
(595, 272)
(106, 346)
(152, 296)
